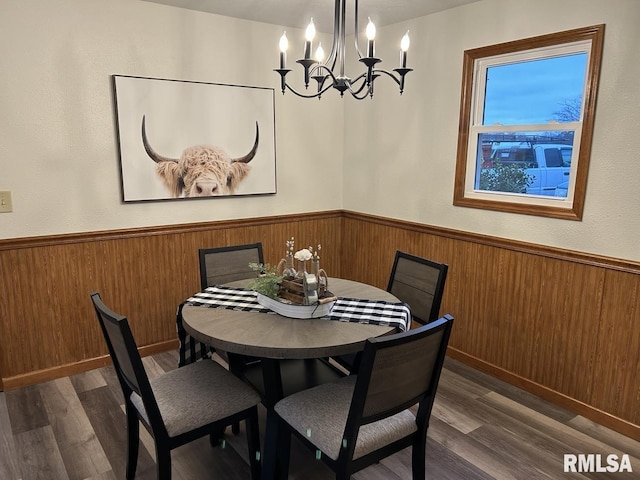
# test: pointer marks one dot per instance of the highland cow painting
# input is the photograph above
(181, 139)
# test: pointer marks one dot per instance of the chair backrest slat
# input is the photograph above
(401, 374)
(419, 283)
(228, 264)
(400, 370)
(126, 359)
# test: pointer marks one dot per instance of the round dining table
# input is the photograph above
(288, 347)
(270, 335)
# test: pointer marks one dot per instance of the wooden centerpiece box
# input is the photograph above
(300, 294)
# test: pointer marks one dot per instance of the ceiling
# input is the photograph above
(296, 13)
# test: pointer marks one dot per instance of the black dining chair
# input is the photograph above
(419, 283)
(218, 266)
(221, 265)
(361, 419)
(179, 406)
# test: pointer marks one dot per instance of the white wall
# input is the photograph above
(403, 150)
(58, 146)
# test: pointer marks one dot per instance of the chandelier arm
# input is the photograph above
(314, 95)
(334, 61)
(342, 48)
(355, 94)
(329, 72)
(378, 71)
(362, 97)
(356, 30)
(362, 77)
(336, 34)
(331, 59)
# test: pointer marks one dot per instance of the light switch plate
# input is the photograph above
(5, 202)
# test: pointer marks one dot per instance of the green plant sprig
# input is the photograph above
(268, 282)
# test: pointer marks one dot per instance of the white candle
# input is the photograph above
(284, 44)
(310, 33)
(404, 46)
(320, 53)
(371, 35)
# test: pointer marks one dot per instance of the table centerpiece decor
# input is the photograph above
(291, 293)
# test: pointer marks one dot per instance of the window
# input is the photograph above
(526, 121)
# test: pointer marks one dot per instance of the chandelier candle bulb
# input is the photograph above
(320, 53)
(371, 35)
(404, 46)
(310, 33)
(284, 44)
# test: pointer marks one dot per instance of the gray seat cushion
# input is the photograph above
(320, 414)
(197, 394)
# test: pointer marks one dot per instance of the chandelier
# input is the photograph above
(330, 73)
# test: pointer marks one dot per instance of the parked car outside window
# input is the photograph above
(527, 167)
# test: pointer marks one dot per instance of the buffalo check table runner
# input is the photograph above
(375, 312)
(229, 298)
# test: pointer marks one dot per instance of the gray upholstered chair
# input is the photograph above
(222, 265)
(180, 406)
(218, 266)
(419, 283)
(363, 418)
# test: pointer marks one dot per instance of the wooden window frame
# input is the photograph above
(571, 208)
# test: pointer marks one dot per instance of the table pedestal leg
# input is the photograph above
(273, 392)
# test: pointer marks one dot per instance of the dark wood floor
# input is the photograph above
(481, 428)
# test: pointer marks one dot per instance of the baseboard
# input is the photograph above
(39, 376)
(603, 418)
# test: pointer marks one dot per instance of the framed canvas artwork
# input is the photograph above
(181, 139)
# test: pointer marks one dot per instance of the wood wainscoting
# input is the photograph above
(561, 324)
(49, 328)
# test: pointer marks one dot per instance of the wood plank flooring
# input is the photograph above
(73, 428)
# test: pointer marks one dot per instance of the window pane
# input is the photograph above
(535, 91)
(533, 163)
(516, 93)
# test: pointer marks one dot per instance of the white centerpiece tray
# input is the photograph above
(292, 310)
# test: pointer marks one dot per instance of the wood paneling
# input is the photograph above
(561, 324)
(47, 317)
(616, 367)
(558, 323)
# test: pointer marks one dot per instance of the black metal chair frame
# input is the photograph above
(203, 252)
(439, 288)
(190, 349)
(344, 466)
(351, 362)
(133, 378)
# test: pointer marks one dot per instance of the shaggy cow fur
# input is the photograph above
(201, 171)
(201, 167)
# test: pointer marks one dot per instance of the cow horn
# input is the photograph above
(154, 156)
(249, 156)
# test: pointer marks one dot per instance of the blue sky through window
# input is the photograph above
(531, 91)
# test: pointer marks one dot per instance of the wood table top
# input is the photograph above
(271, 335)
